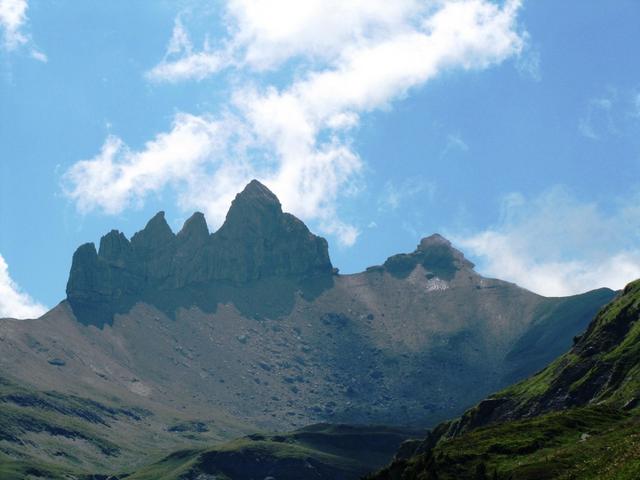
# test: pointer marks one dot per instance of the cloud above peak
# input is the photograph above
(14, 302)
(350, 58)
(555, 244)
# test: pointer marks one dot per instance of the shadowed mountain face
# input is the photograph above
(251, 328)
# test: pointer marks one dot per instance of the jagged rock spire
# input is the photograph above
(155, 234)
(195, 229)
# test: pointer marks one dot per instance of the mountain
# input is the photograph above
(577, 418)
(251, 329)
(257, 241)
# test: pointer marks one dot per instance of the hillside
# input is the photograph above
(322, 451)
(251, 328)
(577, 418)
(48, 434)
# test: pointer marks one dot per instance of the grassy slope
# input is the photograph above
(40, 432)
(547, 336)
(611, 341)
(47, 434)
(56, 436)
(324, 451)
(577, 419)
(587, 443)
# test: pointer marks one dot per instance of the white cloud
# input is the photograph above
(352, 58)
(14, 302)
(557, 245)
(118, 178)
(13, 17)
(180, 61)
(263, 35)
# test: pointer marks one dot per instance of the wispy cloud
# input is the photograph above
(529, 63)
(598, 121)
(555, 244)
(394, 195)
(614, 113)
(14, 302)
(13, 18)
(182, 63)
(351, 58)
(454, 143)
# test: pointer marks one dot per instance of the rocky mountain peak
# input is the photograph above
(435, 240)
(156, 234)
(254, 212)
(114, 246)
(255, 192)
(194, 230)
(437, 250)
(435, 253)
(257, 241)
(260, 240)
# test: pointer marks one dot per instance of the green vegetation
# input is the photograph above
(591, 443)
(322, 451)
(539, 383)
(602, 366)
(44, 435)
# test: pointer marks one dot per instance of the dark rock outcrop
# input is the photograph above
(256, 241)
(435, 253)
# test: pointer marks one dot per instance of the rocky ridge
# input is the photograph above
(257, 241)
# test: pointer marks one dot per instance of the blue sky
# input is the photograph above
(510, 127)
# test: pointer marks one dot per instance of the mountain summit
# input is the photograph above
(436, 255)
(257, 241)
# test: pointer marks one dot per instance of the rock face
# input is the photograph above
(435, 253)
(256, 241)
